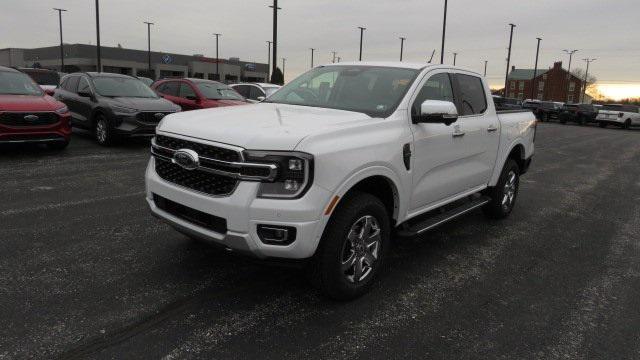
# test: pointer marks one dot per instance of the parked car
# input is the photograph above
(193, 94)
(578, 113)
(623, 116)
(256, 92)
(325, 168)
(47, 79)
(112, 105)
(502, 103)
(27, 114)
(548, 110)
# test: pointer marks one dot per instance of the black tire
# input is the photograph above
(58, 145)
(546, 117)
(103, 131)
(602, 124)
(581, 120)
(496, 208)
(563, 120)
(627, 124)
(331, 268)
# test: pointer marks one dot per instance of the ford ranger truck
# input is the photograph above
(329, 167)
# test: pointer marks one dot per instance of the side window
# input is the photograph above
(186, 91)
(474, 99)
(63, 83)
(255, 92)
(243, 90)
(170, 88)
(83, 85)
(72, 84)
(438, 87)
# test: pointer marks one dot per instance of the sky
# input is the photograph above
(477, 30)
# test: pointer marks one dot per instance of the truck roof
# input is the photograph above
(399, 64)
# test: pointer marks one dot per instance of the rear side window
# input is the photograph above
(255, 92)
(243, 90)
(83, 85)
(438, 87)
(474, 99)
(72, 84)
(170, 88)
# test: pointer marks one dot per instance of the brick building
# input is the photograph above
(553, 84)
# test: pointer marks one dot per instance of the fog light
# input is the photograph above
(291, 185)
(276, 235)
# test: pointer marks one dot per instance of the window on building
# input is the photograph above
(570, 98)
(513, 85)
(215, 77)
(520, 96)
(572, 86)
(512, 94)
(521, 87)
(544, 77)
(198, 75)
(540, 96)
(474, 99)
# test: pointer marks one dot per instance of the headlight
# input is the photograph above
(62, 110)
(123, 110)
(294, 173)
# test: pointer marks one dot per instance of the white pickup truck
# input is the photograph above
(330, 165)
(623, 116)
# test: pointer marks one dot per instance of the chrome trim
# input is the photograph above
(237, 149)
(453, 216)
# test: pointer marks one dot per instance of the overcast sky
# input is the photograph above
(477, 30)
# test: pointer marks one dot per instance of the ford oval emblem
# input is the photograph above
(31, 117)
(186, 159)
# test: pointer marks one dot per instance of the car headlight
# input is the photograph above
(123, 110)
(62, 110)
(294, 173)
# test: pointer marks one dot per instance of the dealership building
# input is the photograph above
(82, 57)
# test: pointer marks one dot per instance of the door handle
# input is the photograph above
(458, 134)
(492, 128)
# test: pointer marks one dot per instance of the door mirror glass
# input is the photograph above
(437, 111)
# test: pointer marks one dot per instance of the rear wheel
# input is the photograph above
(602, 124)
(503, 195)
(545, 117)
(627, 124)
(352, 248)
(103, 131)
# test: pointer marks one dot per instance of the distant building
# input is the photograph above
(553, 84)
(82, 57)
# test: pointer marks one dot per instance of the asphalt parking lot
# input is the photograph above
(87, 272)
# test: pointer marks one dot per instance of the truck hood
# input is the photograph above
(263, 126)
(28, 103)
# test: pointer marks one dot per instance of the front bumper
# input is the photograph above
(58, 132)
(243, 212)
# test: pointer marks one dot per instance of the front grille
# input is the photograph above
(211, 222)
(203, 150)
(29, 119)
(197, 180)
(150, 117)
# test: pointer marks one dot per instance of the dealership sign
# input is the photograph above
(167, 59)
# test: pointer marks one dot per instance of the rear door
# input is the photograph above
(67, 94)
(84, 105)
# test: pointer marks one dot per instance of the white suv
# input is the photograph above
(623, 116)
(327, 167)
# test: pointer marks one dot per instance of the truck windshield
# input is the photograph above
(216, 91)
(15, 83)
(375, 91)
(112, 86)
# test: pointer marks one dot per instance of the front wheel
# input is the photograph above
(103, 131)
(602, 124)
(627, 124)
(352, 248)
(503, 195)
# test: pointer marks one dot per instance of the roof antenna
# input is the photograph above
(433, 53)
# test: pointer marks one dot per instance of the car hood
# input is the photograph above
(263, 126)
(144, 104)
(28, 103)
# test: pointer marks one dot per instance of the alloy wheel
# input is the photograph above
(509, 191)
(101, 131)
(361, 249)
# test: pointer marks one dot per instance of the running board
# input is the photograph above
(430, 222)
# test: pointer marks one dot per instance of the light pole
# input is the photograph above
(485, 68)
(334, 57)
(284, 61)
(586, 78)
(268, 61)
(535, 71)
(312, 50)
(61, 46)
(402, 39)
(149, 48)
(98, 55)
(570, 52)
(506, 78)
(455, 55)
(275, 34)
(217, 57)
(444, 31)
(339, 58)
(362, 29)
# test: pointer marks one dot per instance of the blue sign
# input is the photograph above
(250, 67)
(167, 59)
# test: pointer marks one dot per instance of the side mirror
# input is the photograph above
(84, 94)
(436, 111)
(260, 98)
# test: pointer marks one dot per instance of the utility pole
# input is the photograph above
(485, 68)
(61, 45)
(570, 52)
(284, 61)
(362, 29)
(217, 57)
(455, 55)
(506, 78)
(268, 61)
(275, 35)
(312, 50)
(535, 71)
(339, 58)
(586, 78)
(334, 57)
(149, 48)
(99, 57)
(444, 31)
(402, 39)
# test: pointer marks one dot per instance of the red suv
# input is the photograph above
(27, 114)
(192, 94)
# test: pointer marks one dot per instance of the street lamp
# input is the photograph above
(284, 61)
(61, 46)
(586, 78)
(217, 57)
(149, 48)
(269, 61)
(444, 30)
(455, 56)
(570, 52)
(362, 29)
(402, 39)
(334, 57)
(312, 50)
(98, 56)
(535, 70)
(485, 68)
(506, 78)
(275, 34)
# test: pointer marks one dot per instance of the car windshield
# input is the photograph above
(217, 91)
(270, 90)
(112, 86)
(375, 91)
(44, 77)
(15, 83)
